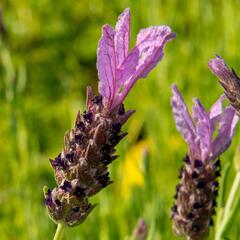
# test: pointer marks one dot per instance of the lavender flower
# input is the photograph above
(228, 79)
(81, 168)
(208, 135)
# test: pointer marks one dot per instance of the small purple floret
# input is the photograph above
(79, 192)
(48, 199)
(97, 99)
(81, 126)
(87, 116)
(198, 163)
(67, 186)
(79, 138)
(58, 162)
(121, 110)
(70, 156)
(116, 127)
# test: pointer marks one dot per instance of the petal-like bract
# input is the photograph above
(199, 133)
(183, 120)
(203, 128)
(227, 125)
(106, 62)
(122, 36)
(150, 42)
(119, 69)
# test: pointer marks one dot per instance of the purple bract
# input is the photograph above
(119, 69)
(199, 131)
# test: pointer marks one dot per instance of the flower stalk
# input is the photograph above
(59, 232)
(230, 208)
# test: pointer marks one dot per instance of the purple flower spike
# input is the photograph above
(81, 168)
(119, 69)
(195, 197)
(228, 79)
(198, 131)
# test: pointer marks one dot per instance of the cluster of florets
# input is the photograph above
(81, 169)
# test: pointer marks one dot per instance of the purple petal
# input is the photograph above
(128, 67)
(123, 76)
(106, 63)
(118, 70)
(183, 120)
(220, 68)
(122, 36)
(149, 47)
(228, 79)
(227, 125)
(151, 42)
(203, 128)
(216, 112)
(216, 109)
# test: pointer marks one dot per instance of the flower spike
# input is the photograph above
(81, 168)
(196, 194)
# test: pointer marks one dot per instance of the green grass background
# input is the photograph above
(48, 57)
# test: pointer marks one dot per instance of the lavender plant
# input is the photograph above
(81, 168)
(208, 135)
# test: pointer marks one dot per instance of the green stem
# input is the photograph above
(59, 232)
(228, 211)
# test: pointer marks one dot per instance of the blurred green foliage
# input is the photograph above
(48, 57)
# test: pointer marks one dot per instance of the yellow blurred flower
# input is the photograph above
(133, 167)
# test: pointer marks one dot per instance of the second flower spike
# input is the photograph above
(198, 188)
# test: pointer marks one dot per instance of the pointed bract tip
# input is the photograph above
(174, 87)
(45, 190)
(125, 12)
(218, 66)
(175, 90)
(196, 101)
(89, 95)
